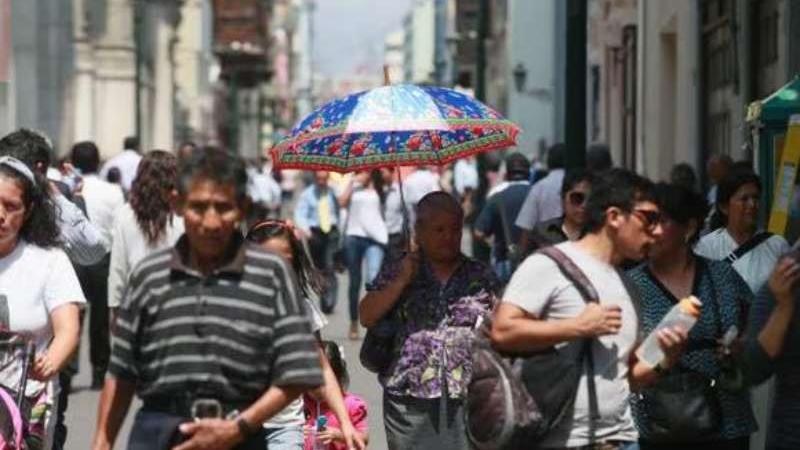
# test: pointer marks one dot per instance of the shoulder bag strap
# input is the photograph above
(589, 294)
(511, 247)
(751, 243)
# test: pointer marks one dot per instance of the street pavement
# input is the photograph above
(82, 410)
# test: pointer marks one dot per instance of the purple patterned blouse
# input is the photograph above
(437, 322)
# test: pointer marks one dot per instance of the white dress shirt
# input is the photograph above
(128, 163)
(103, 199)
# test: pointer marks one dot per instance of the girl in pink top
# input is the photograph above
(331, 437)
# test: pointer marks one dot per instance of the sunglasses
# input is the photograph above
(650, 218)
(260, 230)
(576, 198)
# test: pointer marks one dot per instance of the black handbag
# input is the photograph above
(377, 350)
(681, 408)
(684, 407)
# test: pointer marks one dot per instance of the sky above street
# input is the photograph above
(350, 33)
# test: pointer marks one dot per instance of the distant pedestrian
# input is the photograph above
(544, 199)
(394, 214)
(682, 174)
(126, 162)
(366, 237)
(433, 298)
(317, 216)
(315, 407)
(717, 168)
(496, 219)
(229, 342)
(574, 194)
(103, 200)
(416, 185)
(147, 223)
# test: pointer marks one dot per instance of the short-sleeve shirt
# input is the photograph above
(433, 344)
(716, 284)
(754, 266)
(543, 201)
(490, 220)
(540, 288)
(229, 335)
(34, 282)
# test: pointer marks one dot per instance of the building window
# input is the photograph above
(718, 48)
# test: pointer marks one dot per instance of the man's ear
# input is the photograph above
(615, 217)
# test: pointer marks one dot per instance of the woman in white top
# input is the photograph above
(146, 223)
(40, 296)
(366, 235)
(737, 205)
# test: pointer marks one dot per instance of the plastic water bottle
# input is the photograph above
(322, 423)
(683, 315)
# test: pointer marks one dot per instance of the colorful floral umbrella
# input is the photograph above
(398, 125)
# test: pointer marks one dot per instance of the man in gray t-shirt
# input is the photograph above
(541, 308)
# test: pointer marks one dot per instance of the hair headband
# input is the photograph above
(19, 167)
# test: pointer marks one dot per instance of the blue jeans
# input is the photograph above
(285, 438)
(159, 431)
(357, 250)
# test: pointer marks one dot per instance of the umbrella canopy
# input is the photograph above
(403, 125)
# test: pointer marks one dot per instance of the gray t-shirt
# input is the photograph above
(539, 287)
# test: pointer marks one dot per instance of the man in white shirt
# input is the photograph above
(541, 308)
(127, 162)
(103, 199)
(418, 184)
(544, 199)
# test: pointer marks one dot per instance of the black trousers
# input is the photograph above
(94, 282)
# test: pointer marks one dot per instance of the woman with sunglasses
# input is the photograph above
(672, 272)
(40, 296)
(285, 429)
(574, 192)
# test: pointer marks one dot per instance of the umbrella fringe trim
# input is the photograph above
(317, 162)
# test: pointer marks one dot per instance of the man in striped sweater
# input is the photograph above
(212, 329)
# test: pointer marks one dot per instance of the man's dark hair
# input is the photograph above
(616, 187)
(683, 174)
(573, 177)
(29, 147)
(517, 167)
(555, 156)
(213, 164)
(131, 143)
(86, 157)
(681, 204)
(598, 158)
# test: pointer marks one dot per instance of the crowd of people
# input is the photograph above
(208, 303)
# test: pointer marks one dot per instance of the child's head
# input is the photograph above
(278, 236)
(338, 364)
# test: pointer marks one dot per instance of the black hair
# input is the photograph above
(308, 277)
(683, 174)
(555, 156)
(39, 227)
(86, 157)
(617, 187)
(28, 146)
(733, 181)
(573, 177)
(682, 205)
(517, 167)
(338, 364)
(131, 143)
(437, 201)
(214, 164)
(598, 158)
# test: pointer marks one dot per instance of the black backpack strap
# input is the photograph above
(751, 243)
(581, 282)
(512, 252)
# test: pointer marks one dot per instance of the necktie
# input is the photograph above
(324, 209)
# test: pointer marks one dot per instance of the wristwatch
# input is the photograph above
(244, 428)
